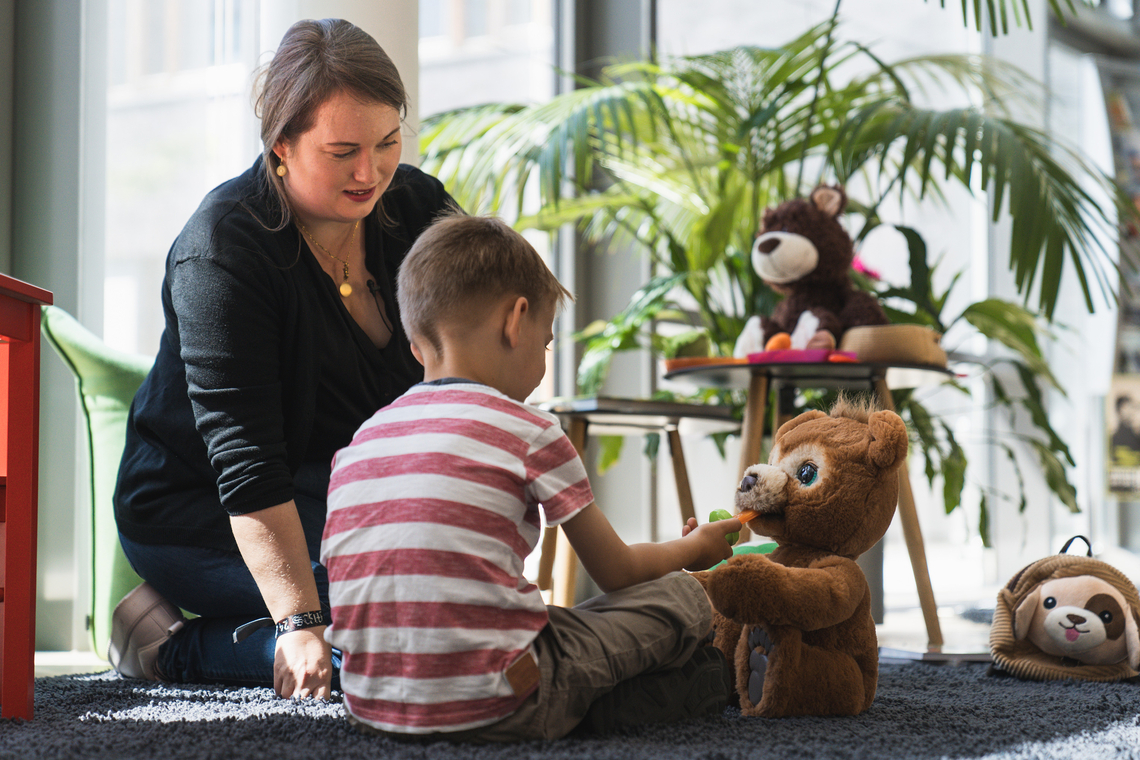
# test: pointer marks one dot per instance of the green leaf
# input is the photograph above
(1035, 405)
(1015, 328)
(652, 445)
(609, 451)
(920, 272)
(1023, 502)
(984, 521)
(1056, 477)
(953, 472)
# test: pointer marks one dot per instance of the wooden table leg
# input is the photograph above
(681, 477)
(565, 573)
(564, 562)
(752, 431)
(912, 533)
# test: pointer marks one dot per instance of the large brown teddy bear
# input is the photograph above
(803, 253)
(797, 623)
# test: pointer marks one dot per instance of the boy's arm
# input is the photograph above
(613, 564)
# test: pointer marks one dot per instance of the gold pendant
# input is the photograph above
(345, 289)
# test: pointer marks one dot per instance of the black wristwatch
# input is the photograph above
(286, 625)
(300, 621)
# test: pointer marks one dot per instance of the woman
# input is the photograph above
(281, 337)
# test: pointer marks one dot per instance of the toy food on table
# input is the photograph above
(779, 342)
(801, 356)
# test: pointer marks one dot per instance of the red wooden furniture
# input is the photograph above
(19, 474)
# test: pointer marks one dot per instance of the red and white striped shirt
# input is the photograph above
(432, 509)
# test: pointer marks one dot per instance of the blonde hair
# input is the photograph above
(462, 264)
(315, 61)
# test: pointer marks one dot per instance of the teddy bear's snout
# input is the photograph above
(748, 483)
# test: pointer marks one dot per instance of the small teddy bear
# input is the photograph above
(797, 623)
(803, 253)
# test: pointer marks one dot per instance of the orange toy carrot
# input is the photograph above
(746, 515)
(779, 342)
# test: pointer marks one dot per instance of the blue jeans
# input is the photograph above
(217, 586)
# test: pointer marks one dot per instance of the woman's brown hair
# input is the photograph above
(316, 60)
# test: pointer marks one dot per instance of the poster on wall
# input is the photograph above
(1121, 86)
(1122, 418)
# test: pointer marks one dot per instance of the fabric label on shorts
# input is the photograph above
(523, 674)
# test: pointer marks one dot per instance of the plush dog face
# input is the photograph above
(1081, 617)
(831, 482)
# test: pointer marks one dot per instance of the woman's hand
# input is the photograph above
(302, 665)
(272, 543)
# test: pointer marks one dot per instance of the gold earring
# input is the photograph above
(281, 170)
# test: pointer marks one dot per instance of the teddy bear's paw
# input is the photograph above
(761, 645)
(758, 638)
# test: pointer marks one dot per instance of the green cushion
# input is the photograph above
(107, 380)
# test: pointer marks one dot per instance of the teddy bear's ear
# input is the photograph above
(808, 416)
(888, 439)
(830, 200)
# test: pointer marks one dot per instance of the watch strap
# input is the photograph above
(300, 621)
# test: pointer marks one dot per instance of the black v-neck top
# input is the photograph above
(260, 368)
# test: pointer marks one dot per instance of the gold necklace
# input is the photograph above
(345, 287)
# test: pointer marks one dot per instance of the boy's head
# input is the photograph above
(461, 267)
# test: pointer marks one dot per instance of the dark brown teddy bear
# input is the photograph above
(804, 253)
(797, 623)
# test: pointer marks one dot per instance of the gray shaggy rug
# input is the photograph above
(922, 710)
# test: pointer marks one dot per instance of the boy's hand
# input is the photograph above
(710, 540)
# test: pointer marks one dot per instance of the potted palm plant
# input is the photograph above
(677, 159)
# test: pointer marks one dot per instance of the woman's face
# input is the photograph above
(337, 170)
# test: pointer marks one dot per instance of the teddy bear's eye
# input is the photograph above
(807, 473)
(1106, 617)
(1050, 603)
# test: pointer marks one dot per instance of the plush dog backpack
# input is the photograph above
(1067, 616)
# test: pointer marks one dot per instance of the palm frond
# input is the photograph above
(1053, 216)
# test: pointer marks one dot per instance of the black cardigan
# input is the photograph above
(260, 367)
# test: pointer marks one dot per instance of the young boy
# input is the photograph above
(435, 504)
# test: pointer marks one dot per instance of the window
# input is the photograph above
(179, 122)
(480, 51)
